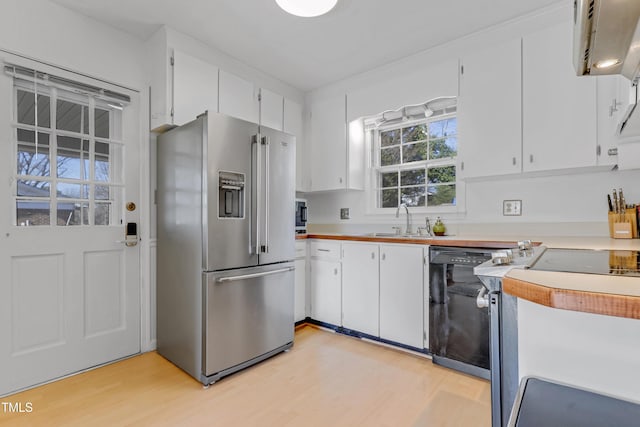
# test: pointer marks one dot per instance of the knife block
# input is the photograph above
(623, 226)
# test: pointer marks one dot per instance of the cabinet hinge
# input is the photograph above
(171, 112)
(172, 61)
(424, 260)
(612, 152)
(598, 150)
(259, 96)
(461, 69)
(424, 336)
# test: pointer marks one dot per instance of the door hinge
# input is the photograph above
(598, 150)
(424, 336)
(424, 260)
(172, 61)
(461, 69)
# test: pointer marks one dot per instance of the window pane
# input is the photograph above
(102, 192)
(33, 188)
(69, 116)
(442, 148)
(389, 198)
(72, 191)
(390, 156)
(102, 162)
(413, 196)
(101, 123)
(73, 158)
(414, 152)
(27, 109)
(390, 137)
(102, 214)
(443, 128)
(33, 212)
(442, 174)
(412, 177)
(33, 159)
(442, 195)
(389, 179)
(85, 120)
(70, 213)
(414, 133)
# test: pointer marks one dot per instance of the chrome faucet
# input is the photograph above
(404, 205)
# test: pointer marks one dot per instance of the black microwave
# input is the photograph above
(301, 216)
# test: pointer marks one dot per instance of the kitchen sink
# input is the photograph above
(401, 236)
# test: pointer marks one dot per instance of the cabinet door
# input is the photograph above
(237, 97)
(402, 301)
(360, 287)
(489, 112)
(293, 125)
(195, 88)
(559, 108)
(325, 291)
(300, 290)
(328, 144)
(271, 109)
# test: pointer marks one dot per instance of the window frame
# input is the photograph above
(373, 191)
(115, 182)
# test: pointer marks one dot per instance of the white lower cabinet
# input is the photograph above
(326, 282)
(360, 287)
(402, 298)
(300, 290)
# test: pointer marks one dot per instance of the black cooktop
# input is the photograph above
(608, 262)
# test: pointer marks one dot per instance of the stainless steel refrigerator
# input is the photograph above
(226, 241)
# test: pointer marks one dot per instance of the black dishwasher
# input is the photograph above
(458, 329)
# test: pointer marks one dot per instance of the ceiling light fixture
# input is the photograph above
(307, 8)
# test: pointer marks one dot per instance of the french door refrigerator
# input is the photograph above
(226, 241)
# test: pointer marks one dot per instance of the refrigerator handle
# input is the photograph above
(265, 142)
(253, 275)
(255, 141)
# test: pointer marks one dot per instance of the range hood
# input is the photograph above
(605, 33)
(606, 40)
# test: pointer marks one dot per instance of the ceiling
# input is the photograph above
(357, 35)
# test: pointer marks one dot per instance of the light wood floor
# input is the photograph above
(325, 380)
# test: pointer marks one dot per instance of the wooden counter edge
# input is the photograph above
(493, 244)
(568, 299)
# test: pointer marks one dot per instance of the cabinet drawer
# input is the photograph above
(301, 249)
(325, 249)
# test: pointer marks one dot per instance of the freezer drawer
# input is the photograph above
(249, 312)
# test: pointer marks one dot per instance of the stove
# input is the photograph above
(588, 261)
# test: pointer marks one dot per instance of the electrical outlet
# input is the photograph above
(512, 207)
(344, 213)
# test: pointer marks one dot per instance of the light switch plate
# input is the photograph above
(512, 207)
(344, 213)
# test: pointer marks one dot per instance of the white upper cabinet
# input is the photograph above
(328, 143)
(271, 109)
(237, 97)
(336, 160)
(293, 125)
(489, 112)
(559, 108)
(195, 88)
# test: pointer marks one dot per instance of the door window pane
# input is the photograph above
(33, 158)
(102, 120)
(72, 191)
(101, 165)
(28, 188)
(33, 212)
(102, 192)
(73, 158)
(26, 109)
(102, 213)
(72, 213)
(70, 116)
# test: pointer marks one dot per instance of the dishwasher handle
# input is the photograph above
(253, 275)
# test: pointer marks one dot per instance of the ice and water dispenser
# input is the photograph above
(231, 194)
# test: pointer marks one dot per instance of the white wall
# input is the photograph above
(566, 199)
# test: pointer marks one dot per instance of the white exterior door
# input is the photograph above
(69, 286)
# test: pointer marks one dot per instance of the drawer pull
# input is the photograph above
(324, 250)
